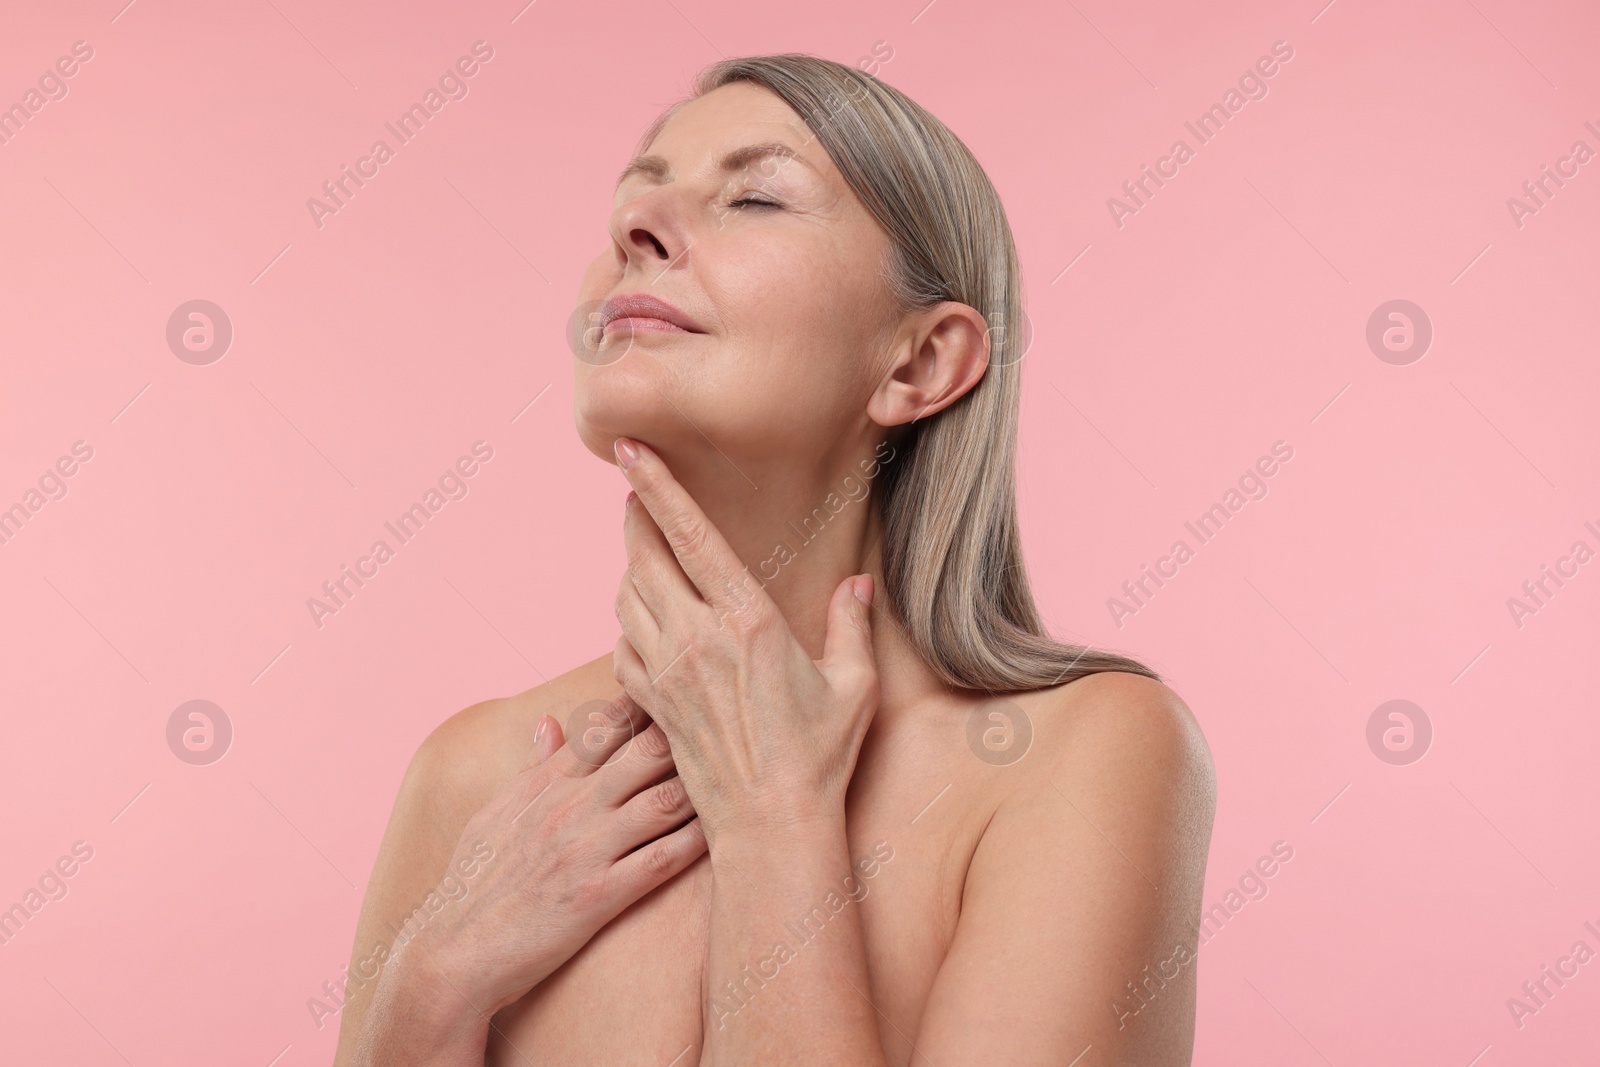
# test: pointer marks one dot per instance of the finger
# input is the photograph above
(653, 569)
(647, 761)
(551, 740)
(638, 680)
(640, 625)
(706, 558)
(595, 734)
(647, 867)
(543, 747)
(651, 813)
(847, 641)
(631, 671)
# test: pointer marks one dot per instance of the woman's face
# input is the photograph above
(796, 315)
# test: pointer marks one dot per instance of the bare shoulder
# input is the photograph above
(468, 756)
(1123, 752)
(1094, 854)
(1120, 722)
(457, 769)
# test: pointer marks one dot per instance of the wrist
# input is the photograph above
(781, 836)
(421, 1009)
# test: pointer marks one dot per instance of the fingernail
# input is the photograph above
(863, 589)
(627, 501)
(627, 455)
(542, 729)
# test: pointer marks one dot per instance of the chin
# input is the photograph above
(609, 402)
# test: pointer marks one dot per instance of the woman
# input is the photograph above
(834, 797)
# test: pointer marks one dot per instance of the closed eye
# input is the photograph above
(752, 202)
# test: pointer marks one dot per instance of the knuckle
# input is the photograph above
(689, 536)
(657, 861)
(668, 797)
(741, 613)
(617, 714)
(652, 743)
(593, 725)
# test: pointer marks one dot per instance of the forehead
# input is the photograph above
(730, 128)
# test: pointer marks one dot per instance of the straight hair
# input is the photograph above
(947, 504)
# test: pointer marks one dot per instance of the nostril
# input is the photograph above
(659, 247)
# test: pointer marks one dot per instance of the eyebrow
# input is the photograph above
(656, 168)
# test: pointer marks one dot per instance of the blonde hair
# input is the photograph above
(952, 557)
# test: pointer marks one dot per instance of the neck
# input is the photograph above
(800, 534)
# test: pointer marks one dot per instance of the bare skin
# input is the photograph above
(966, 907)
(1057, 920)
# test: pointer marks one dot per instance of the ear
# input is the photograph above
(936, 357)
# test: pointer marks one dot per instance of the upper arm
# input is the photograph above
(452, 775)
(1078, 923)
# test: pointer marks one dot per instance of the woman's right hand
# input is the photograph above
(563, 834)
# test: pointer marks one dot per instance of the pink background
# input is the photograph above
(1227, 314)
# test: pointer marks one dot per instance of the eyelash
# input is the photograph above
(753, 203)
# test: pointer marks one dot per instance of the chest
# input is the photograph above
(633, 994)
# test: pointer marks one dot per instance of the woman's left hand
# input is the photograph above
(764, 737)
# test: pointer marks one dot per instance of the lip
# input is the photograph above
(646, 313)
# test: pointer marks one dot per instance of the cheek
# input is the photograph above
(800, 343)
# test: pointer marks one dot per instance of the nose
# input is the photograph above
(648, 231)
